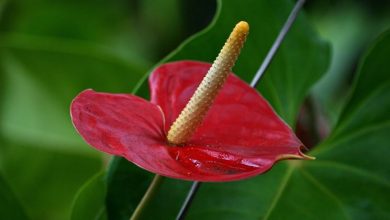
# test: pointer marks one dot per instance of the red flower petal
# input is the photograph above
(127, 126)
(110, 122)
(240, 123)
(241, 136)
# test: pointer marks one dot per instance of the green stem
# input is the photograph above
(150, 193)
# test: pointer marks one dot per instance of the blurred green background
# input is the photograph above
(50, 50)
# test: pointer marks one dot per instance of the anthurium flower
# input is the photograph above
(227, 130)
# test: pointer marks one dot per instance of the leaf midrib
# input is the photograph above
(339, 129)
(359, 171)
(358, 132)
(279, 192)
(325, 190)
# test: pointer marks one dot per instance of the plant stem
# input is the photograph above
(150, 193)
(275, 46)
(186, 204)
(270, 55)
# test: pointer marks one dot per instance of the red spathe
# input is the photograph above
(241, 136)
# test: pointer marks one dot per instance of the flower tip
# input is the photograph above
(242, 26)
(301, 156)
(307, 157)
(304, 156)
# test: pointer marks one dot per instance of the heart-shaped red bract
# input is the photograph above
(241, 136)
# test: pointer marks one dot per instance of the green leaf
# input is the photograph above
(43, 76)
(40, 76)
(10, 207)
(45, 180)
(350, 178)
(349, 27)
(65, 19)
(90, 21)
(358, 146)
(296, 67)
(127, 28)
(50, 51)
(90, 200)
(301, 61)
(126, 186)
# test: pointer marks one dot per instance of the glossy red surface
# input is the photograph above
(240, 137)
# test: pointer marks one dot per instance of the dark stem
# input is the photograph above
(187, 202)
(275, 46)
(271, 53)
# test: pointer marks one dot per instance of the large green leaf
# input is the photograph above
(10, 207)
(126, 186)
(350, 178)
(358, 146)
(45, 180)
(349, 27)
(293, 71)
(128, 28)
(300, 62)
(50, 51)
(41, 78)
(97, 22)
(90, 200)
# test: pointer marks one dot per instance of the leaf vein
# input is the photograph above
(325, 190)
(279, 192)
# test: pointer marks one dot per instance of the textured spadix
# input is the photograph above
(192, 115)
